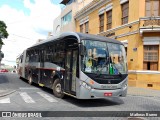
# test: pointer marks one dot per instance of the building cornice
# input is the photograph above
(127, 34)
(120, 27)
(143, 72)
(151, 27)
(125, 42)
(109, 6)
(95, 4)
(150, 18)
(84, 20)
(123, 1)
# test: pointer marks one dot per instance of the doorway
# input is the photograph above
(71, 71)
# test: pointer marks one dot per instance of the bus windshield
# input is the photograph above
(104, 58)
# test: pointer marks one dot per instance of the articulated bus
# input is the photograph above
(79, 65)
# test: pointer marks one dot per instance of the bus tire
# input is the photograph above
(57, 91)
(30, 81)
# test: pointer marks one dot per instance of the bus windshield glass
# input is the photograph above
(104, 58)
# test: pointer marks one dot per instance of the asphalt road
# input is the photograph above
(34, 98)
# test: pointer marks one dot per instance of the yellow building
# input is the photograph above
(136, 23)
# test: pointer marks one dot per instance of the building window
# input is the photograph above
(125, 10)
(67, 18)
(101, 23)
(126, 50)
(84, 27)
(109, 19)
(151, 57)
(87, 27)
(81, 28)
(152, 8)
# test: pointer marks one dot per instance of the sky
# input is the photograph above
(27, 21)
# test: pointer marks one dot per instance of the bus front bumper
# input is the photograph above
(108, 93)
(97, 93)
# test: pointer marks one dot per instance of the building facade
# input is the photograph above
(136, 23)
(65, 22)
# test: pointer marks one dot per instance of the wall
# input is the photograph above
(70, 26)
(83, 3)
(145, 80)
(128, 32)
(134, 41)
(57, 26)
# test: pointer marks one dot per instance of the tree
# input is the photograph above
(3, 32)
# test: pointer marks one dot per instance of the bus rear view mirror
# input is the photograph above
(83, 50)
(1, 55)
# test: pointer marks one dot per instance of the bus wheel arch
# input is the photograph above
(57, 88)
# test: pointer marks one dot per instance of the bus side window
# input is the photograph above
(36, 57)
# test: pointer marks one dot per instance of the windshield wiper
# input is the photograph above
(119, 73)
(103, 65)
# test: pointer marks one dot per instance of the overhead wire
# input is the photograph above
(23, 20)
(22, 36)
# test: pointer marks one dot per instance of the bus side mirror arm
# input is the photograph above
(82, 50)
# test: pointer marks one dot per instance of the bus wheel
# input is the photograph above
(30, 80)
(57, 91)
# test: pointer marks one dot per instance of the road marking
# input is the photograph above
(5, 100)
(47, 97)
(27, 88)
(26, 97)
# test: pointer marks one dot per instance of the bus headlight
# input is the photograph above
(124, 87)
(86, 85)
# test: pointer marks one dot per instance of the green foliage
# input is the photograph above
(3, 31)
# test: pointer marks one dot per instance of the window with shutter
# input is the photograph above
(101, 23)
(151, 57)
(125, 11)
(87, 27)
(109, 19)
(126, 50)
(81, 28)
(152, 8)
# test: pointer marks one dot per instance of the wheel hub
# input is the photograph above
(58, 88)
(30, 80)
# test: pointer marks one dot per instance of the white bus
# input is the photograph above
(80, 65)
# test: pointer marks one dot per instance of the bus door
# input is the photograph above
(70, 71)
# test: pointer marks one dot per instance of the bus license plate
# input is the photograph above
(108, 94)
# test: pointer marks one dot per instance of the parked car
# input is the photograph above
(3, 70)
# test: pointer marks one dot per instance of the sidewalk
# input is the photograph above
(135, 91)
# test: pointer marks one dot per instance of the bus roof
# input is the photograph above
(79, 36)
(97, 37)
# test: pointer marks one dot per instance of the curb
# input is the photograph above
(7, 93)
(142, 95)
